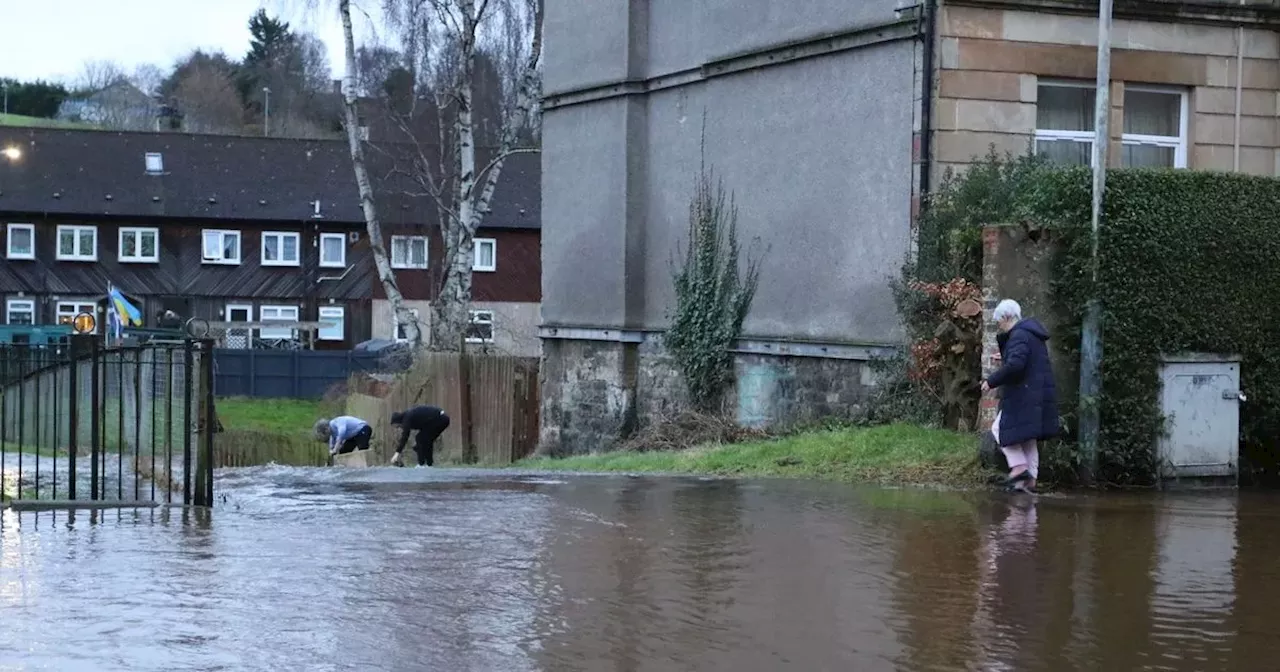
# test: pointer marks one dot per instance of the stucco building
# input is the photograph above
(830, 124)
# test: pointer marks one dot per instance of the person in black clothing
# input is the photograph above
(430, 422)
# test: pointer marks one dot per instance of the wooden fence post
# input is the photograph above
(464, 385)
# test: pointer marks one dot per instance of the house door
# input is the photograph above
(239, 338)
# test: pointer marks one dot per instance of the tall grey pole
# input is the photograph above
(1091, 336)
(266, 116)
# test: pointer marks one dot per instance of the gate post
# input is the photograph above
(208, 419)
(96, 412)
(188, 367)
(81, 346)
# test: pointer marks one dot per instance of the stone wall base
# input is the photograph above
(596, 393)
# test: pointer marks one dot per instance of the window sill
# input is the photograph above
(485, 270)
(22, 257)
(281, 264)
(87, 260)
(138, 260)
(395, 267)
(332, 265)
(221, 262)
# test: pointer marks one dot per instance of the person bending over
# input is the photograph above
(430, 422)
(344, 433)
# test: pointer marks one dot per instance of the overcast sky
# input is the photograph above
(52, 39)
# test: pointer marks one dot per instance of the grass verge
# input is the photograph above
(890, 454)
(261, 431)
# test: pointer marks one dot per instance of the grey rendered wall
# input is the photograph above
(818, 152)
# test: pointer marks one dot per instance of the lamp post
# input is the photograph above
(1091, 331)
(266, 108)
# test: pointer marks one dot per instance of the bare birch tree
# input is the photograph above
(445, 43)
(351, 116)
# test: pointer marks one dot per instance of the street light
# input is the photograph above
(12, 153)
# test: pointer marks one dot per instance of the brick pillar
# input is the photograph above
(990, 297)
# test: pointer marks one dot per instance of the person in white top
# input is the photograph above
(344, 433)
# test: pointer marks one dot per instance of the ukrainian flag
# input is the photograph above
(128, 314)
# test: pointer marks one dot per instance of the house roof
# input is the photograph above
(227, 178)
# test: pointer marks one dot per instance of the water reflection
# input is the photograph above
(400, 569)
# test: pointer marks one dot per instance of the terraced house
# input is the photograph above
(831, 124)
(235, 229)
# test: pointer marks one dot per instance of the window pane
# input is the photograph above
(20, 241)
(128, 244)
(148, 243)
(486, 256)
(419, 252)
(67, 243)
(20, 312)
(87, 239)
(331, 250)
(1064, 108)
(230, 246)
(212, 245)
(1065, 152)
(270, 248)
(290, 248)
(1149, 113)
(1148, 156)
(399, 251)
(336, 332)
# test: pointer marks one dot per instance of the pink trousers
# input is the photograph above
(1026, 453)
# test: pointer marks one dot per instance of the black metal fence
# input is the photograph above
(128, 422)
(295, 374)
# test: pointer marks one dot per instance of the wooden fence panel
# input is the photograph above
(503, 408)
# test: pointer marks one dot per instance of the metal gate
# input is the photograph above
(80, 421)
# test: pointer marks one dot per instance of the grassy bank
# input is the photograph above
(898, 454)
(261, 431)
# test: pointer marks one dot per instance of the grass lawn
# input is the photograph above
(38, 122)
(899, 454)
(260, 431)
(277, 416)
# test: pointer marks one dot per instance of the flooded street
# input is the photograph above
(313, 569)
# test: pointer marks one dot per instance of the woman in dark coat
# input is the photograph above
(1029, 400)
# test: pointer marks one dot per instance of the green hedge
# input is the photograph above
(1190, 262)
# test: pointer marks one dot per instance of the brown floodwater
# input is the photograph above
(385, 569)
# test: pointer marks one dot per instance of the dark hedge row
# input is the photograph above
(1190, 262)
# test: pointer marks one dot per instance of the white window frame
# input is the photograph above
(1074, 136)
(154, 162)
(342, 240)
(280, 237)
(481, 317)
(278, 333)
(79, 255)
(8, 241)
(395, 326)
(407, 264)
(1178, 144)
(338, 313)
(484, 268)
(77, 306)
(27, 306)
(138, 232)
(222, 235)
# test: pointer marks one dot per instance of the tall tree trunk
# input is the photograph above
(451, 310)
(351, 115)
(451, 313)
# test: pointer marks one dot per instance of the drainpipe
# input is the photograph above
(926, 100)
(1239, 91)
